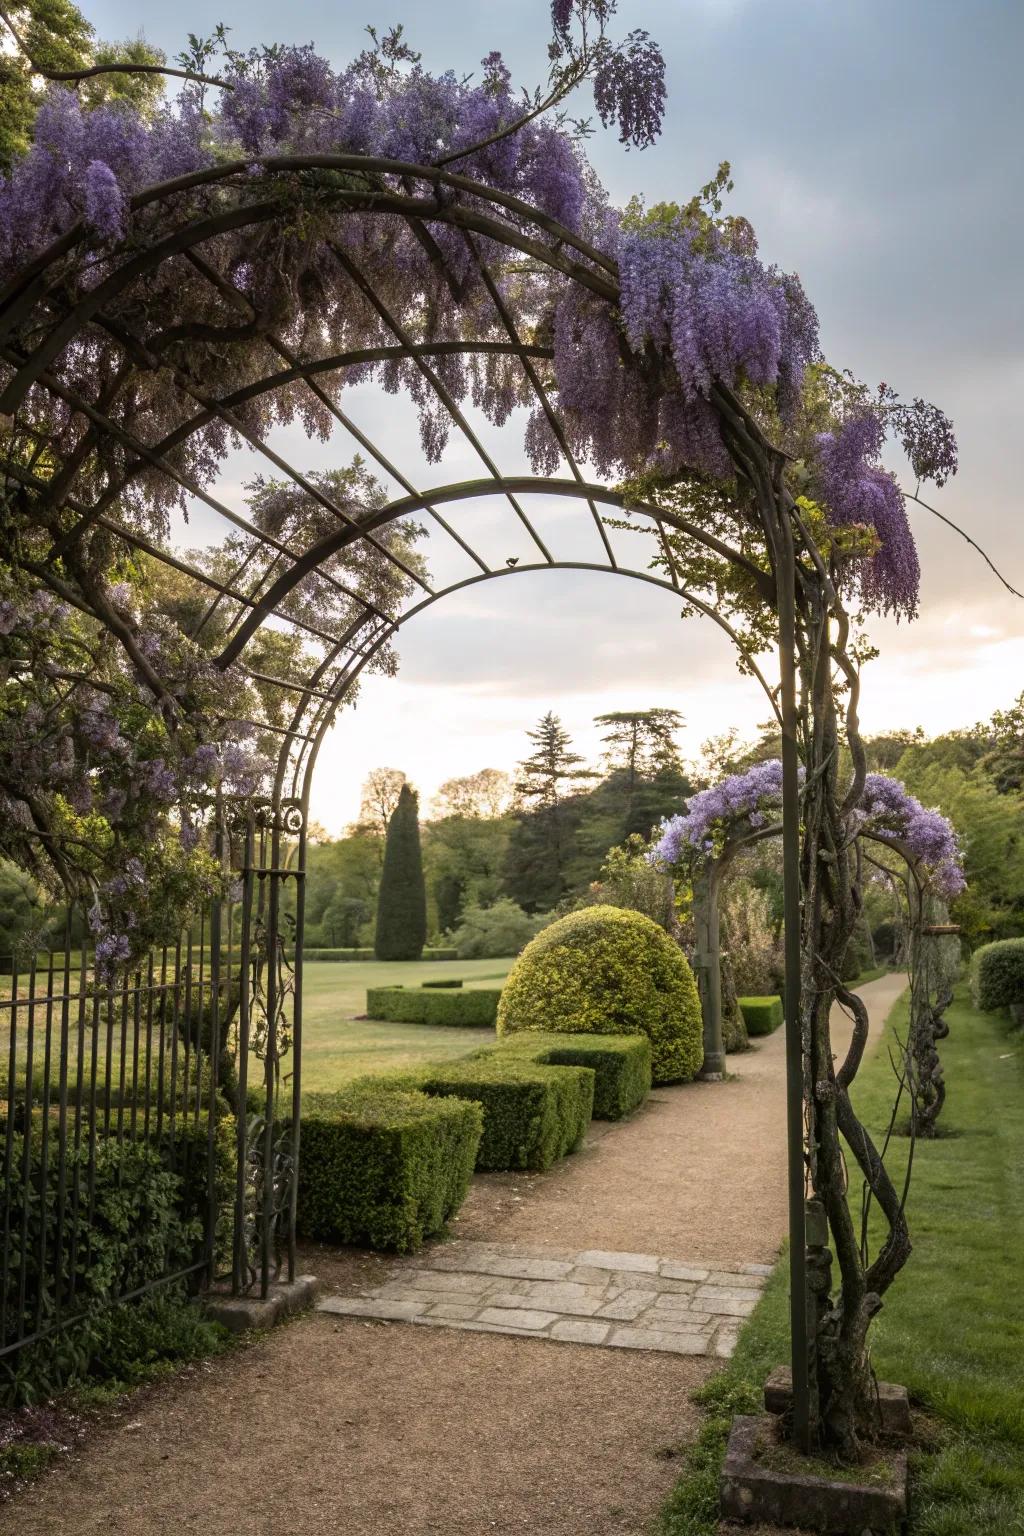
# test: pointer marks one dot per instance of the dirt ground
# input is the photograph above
(376, 1429)
(353, 1427)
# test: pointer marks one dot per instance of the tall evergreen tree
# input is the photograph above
(542, 841)
(645, 771)
(402, 899)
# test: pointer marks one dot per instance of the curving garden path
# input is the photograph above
(347, 1424)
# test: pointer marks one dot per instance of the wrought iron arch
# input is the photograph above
(45, 315)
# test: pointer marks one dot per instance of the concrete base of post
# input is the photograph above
(240, 1313)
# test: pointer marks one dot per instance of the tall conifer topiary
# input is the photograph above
(402, 899)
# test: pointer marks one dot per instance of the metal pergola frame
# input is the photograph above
(44, 315)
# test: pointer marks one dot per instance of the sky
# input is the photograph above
(875, 146)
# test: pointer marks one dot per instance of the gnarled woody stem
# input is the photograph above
(831, 906)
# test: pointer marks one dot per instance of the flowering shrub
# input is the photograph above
(891, 812)
(746, 798)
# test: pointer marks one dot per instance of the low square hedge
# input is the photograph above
(382, 1166)
(621, 1064)
(533, 1115)
(448, 985)
(476, 1008)
(761, 1015)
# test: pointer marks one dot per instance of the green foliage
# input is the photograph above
(452, 982)
(761, 1015)
(888, 940)
(533, 1114)
(402, 899)
(997, 975)
(57, 36)
(751, 937)
(464, 851)
(629, 879)
(967, 1471)
(476, 1008)
(108, 1349)
(341, 871)
(542, 839)
(734, 1032)
(21, 914)
(146, 1219)
(991, 827)
(859, 956)
(488, 933)
(604, 970)
(621, 1064)
(384, 1167)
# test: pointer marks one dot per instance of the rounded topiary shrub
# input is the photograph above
(997, 976)
(608, 971)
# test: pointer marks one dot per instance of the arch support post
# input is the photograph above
(801, 1340)
(707, 955)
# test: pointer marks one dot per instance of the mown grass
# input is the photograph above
(952, 1329)
(338, 1046)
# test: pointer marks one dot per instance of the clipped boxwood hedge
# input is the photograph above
(476, 1008)
(621, 1064)
(533, 1115)
(384, 1167)
(606, 970)
(761, 1015)
(452, 982)
(997, 975)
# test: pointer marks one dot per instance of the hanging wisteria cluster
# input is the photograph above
(890, 811)
(694, 305)
(746, 799)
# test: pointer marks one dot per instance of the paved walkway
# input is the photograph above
(347, 1423)
(623, 1300)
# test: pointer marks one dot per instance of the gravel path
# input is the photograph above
(366, 1428)
(699, 1173)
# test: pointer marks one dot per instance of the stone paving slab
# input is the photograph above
(617, 1301)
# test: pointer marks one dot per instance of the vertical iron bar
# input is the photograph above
(271, 946)
(62, 1126)
(161, 1046)
(240, 1257)
(44, 1147)
(786, 586)
(175, 1005)
(211, 1169)
(136, 1047)
(147, 1105)
(80, 1110)
(26, 1152)
(12, 1070)
(300, 923)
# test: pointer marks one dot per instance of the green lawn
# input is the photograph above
(337, 1046)
(952, 1328)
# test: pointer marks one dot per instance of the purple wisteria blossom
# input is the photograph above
(712, 813)
(629, 89)
(856, 490)
(104, 201)
(889, 810)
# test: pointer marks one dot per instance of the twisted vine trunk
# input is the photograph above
(844, 1410)
(935, 961)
